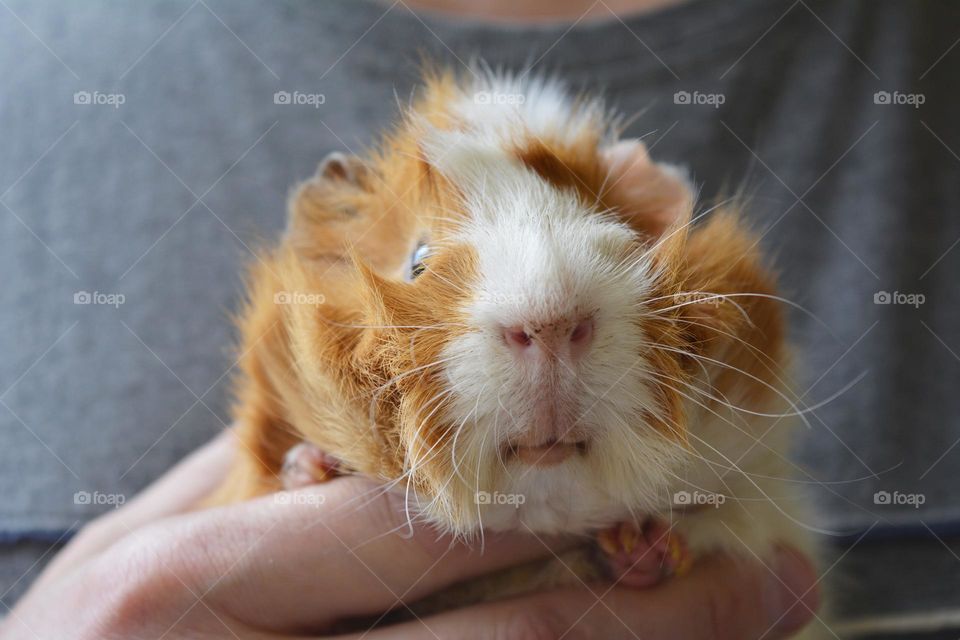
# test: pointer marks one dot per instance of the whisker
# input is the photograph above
(780, 299)
(796, 411)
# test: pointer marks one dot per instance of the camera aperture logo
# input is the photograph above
(497, 498)
(699, 98)
(299, 297)
(99, 298)
(897, 499)
(911, 299)
(96, 98)
(899, 98)
(698, 499)
(114, 500)
(299, 98)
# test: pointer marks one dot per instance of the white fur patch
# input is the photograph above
(546, 255)
(503, 107)
(497, 111)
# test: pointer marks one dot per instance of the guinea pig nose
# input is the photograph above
(581, 338)
(582, 334)
(560, 339)
(516, 338)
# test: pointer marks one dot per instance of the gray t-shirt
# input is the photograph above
(146, 151)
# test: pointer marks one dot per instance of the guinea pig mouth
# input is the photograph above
(545, 454)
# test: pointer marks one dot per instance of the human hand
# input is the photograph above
(292, 565)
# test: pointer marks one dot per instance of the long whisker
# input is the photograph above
(739, 429)
(796, 411)
(772, 501)
(453, 448)
(707, 297)
(800, 469)
(747, 294)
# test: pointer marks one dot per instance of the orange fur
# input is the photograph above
(322, 373)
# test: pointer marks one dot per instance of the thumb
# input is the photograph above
(731, 598)
(722, 599)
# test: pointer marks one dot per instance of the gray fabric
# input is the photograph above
(894, 577)
(103, 399)
(20, 564)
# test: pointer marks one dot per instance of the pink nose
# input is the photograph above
(561, 339)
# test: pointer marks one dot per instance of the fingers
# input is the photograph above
(329, 551)
(305, 464)
(187, 483)
(179, 489)
(720, 599)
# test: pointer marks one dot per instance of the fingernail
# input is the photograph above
(794, 596)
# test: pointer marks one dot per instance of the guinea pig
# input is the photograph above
(513, 316)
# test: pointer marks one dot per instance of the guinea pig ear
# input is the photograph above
(339, 167)
(332, 194)
(652, 197)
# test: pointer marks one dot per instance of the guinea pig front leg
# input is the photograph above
(643, 556)
(305, 464)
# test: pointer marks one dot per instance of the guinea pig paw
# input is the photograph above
(641, 557)
(305, 464)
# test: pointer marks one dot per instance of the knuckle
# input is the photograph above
(726, 614)
(718, 616)
(537, 622)
(92, 532)
(132, 584)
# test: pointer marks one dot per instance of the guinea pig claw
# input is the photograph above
(681, 559)
(305, 464)
(642, 557)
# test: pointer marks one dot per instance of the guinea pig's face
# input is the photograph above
(536, 379)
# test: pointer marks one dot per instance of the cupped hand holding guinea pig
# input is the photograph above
(511, 318)
(295, 564)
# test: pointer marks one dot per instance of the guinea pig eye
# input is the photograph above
(416, 261)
